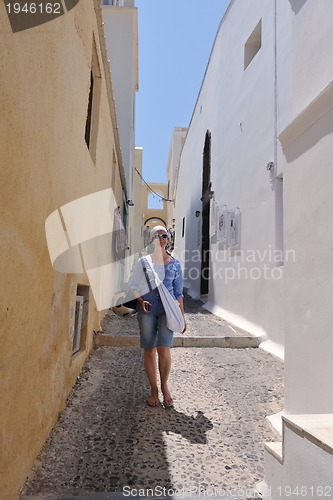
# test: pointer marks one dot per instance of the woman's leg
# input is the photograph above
(164, 366)
(151, 370)
(148, 334)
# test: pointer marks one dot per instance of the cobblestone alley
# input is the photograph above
(211, 442)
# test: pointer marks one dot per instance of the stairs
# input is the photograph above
(301, 465)
(204, 329)
(180, 341)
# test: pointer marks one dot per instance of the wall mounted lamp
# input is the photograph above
(207, 196)
(130, 203)
(197, 213)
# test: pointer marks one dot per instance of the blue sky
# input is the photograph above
(175, 41)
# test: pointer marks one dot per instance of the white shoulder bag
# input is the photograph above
(174, 317)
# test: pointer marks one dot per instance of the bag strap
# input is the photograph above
(156, 277)
(146, 275)
(158, 282)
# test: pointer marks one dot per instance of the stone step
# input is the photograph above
(316, 428)
(276, 450)
(240, 342)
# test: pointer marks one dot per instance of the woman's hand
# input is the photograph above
(145, 306)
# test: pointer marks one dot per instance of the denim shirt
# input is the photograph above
(171, 275)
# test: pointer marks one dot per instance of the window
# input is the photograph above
(115, 3)
(253, 45)
(89, 112)
(81, 318)
(94, 97)
(78, 324)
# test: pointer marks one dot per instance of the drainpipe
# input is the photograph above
(275, 86)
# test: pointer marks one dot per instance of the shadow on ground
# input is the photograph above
(108, 438)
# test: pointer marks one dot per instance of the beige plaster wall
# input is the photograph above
(161, 189)
(176, 146)
(136, 216)
(45, 163)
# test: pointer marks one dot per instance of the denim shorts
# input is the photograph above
(153, 329)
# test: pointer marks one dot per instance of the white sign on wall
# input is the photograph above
(213, 219)
(234, 228)
(222, 224)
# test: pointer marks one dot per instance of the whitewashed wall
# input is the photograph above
(306, 154)
(308, 150)
(238, 107)
(120, 26)
(286, 92)
(312, 37)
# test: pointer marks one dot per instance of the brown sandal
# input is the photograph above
(169, 404)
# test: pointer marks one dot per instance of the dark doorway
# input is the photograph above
(206, 196)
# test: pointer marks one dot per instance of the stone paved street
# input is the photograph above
(196, 318)
(108, 439)
(203, 330)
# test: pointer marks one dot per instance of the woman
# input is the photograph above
(155, 337)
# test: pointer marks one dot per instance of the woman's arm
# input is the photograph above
(178, 289)
(143, 303)
(181, 304)
(135, 285)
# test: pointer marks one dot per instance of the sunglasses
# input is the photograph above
(165, 236)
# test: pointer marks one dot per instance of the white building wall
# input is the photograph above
(312, 35)
(120, 26)
(309, 281)
(238, 107)
(306, 471)
(307, 152)
(286, 91)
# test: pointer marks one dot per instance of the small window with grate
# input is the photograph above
(81, 318)
(77, 324)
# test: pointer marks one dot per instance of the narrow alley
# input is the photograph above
(198, 129)
(210, 443)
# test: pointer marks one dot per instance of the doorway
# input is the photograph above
(205, 223)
